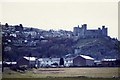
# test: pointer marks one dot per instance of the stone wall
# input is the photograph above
(82, 32)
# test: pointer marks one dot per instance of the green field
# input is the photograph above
(65, 73)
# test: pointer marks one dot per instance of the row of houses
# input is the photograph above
(80, 60)
(43, 62)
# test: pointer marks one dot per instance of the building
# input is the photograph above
(9, 64)
(109, 62)
(43, 62)
(98, 63)
(82, 32)
(48, 62)
(54, 62)
(27, 61)
(68, 62)
(82, 60)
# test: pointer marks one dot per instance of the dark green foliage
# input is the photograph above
(61, 61)
(6, 24)
(19, 27)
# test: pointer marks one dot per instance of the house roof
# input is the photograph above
(87, 57)
(30, 58)
(43, 59)
(11, 62)
(108, 59)
(47, 59)
(68, 59)
(55, 59)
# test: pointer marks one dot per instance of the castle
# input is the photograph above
(82, 32)
(78, 32)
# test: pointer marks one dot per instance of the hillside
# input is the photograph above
(57, 47)
(98, 47)
(18, 41)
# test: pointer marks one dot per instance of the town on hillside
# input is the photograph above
(24, 47)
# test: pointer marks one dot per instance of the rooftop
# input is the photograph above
(87, 57)
(108, 59)
(30, 58)
(47, 59)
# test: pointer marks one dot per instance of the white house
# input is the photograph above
(68, 62)
(48, 61)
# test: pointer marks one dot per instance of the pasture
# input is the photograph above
(66, 73)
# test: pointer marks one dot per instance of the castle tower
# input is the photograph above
(84, 29)
(76, 30)
(104, 31)
(84, 26)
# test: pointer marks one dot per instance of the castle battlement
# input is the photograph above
(83, 32)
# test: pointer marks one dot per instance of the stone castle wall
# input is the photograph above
(82, 32)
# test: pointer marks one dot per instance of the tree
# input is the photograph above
(19, 27)
(6, 25)
(61, 61)
(30, 55)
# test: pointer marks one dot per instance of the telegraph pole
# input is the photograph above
(1, 44)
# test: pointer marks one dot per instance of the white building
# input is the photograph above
(48, 61)
(68, 62)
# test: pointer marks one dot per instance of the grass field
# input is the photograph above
(61, 78)
(65, 73)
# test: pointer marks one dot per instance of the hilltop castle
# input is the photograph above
(78, 32)
(82, 32)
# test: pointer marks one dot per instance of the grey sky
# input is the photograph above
(62, 15)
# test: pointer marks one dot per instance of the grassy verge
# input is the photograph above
(61, 78)
(64, 72)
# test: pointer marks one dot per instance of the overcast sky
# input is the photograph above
(62, 14)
